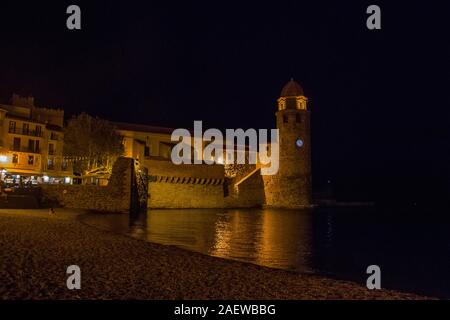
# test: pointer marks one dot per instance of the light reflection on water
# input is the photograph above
(412, 248)
(269, 237)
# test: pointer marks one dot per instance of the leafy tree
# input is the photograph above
(93, 144)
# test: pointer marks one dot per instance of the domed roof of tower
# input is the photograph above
(292, 89)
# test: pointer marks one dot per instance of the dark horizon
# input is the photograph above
(379, 119)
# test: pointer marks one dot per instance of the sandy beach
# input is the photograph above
(37, 248)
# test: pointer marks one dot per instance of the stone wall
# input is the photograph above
(114, 197)
(287, 192)
(248, 192)
(291, 186)
(185, 195)
(184, 186)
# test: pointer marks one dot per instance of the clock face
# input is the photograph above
(299, 143)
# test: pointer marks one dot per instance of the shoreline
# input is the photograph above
(38, 248)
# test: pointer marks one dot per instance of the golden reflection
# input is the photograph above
(284, 235)
(269, 237)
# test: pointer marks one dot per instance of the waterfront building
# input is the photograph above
(31, 143)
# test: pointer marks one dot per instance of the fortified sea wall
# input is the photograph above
(184, 186)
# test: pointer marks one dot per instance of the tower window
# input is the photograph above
(298, 118)
(285, 118)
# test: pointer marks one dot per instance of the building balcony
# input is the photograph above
(24, 149)
(20, 131)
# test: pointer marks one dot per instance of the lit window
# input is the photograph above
(30, 160)
(50, 164)
(301, 104)
(15, 158)
(64, 165)
(281, 103)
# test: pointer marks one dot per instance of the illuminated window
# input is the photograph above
(300, 102)
(15, 158)
(50, 165)
(30, 160)
(64, 165)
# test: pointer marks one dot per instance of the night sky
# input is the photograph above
(379, 99)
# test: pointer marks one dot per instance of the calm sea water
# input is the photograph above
(411, 247)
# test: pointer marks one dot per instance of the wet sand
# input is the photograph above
(37, 248)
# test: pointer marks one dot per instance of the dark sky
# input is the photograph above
(379, 99)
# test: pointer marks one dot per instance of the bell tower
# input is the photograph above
(291, 186)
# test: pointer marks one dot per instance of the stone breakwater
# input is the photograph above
(38, 247)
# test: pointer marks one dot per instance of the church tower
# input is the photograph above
(291, 186)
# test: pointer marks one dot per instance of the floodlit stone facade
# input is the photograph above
(31, 142)
(226, 186)
(291, 186)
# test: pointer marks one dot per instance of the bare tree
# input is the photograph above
(92, 143)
